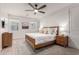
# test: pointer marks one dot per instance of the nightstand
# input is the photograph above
(62, 40)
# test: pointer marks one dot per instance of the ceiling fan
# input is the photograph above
(36, 9)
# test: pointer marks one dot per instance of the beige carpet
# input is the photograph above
(20, 47)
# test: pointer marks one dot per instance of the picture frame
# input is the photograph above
(25, 25)
(3, 24)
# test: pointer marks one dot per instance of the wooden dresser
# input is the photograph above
(6, 39)
(62, 40)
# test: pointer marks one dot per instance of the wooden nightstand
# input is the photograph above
(62, 40)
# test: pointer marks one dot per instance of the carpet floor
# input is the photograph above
(20, 47)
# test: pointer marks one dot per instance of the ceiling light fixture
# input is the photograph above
(36, 11)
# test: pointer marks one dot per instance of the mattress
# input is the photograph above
(41, 38)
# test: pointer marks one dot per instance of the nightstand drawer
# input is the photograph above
(61, 40)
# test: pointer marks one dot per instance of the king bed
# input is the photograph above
(45, 38)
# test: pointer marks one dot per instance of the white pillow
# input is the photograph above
(45, 31)
(52, 30)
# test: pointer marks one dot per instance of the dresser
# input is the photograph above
(6, 39)
(62, 40)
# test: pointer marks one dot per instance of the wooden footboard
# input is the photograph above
(31, 41)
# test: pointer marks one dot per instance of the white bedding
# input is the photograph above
(41, 38)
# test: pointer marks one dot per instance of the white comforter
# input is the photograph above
(41, 38)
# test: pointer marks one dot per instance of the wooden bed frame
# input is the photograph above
(31, 41)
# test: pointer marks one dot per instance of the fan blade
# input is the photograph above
(41, 12)
(29, 10)
(42, 7)
(31, 5)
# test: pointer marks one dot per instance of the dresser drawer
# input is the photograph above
(6, 39)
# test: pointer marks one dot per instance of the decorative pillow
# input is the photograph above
(48, 30)
(41, 31)
(45, 31)
(55, 30)
(51, 30)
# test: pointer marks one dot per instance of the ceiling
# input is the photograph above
(18, 9)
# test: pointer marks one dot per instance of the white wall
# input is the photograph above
(74, 26)
(21, 32)
(59, 18)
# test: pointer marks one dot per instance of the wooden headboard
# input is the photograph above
(54, 27)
